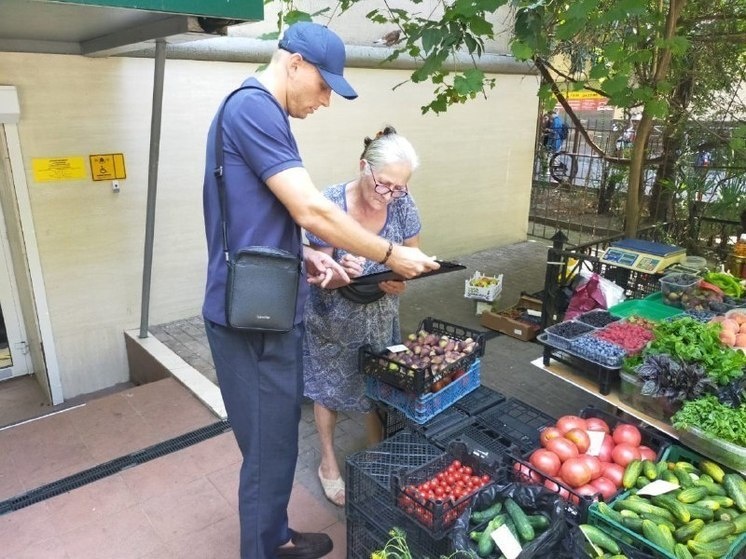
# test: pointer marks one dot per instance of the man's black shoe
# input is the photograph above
(306, 545)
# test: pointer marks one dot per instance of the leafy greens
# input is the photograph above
(663, 376)
(716, 419)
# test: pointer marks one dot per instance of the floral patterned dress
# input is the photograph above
(336, 328)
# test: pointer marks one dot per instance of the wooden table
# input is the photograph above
(568, 374)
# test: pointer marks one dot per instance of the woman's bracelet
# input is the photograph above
(388, 253)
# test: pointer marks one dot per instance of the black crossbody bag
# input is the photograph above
(261, 292)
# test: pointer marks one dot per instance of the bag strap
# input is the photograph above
(219, 171)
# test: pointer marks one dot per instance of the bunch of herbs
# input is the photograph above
(692, 341)
(664, 376)
(714, 418)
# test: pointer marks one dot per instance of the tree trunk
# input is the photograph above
(636, 168)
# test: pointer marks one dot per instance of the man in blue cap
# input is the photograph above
(269, 198)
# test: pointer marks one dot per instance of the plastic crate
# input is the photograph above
(556, 338)
(657, 408)
(369, 472)
(481, 440)
(420, 409)
(437, 517)
(597, 318)
(368, 531)
(443, 423)
(605, 376)
(374, 364)
(517, 421)
(645, 309)
(596, 350)
(726, 453)
(676, 452)
(489, 293)
(482, 399)
(622, 533)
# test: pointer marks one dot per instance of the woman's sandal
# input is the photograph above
(334, 489)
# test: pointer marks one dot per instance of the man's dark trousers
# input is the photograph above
(261, 380)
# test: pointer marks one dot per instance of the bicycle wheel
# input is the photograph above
(563, 166)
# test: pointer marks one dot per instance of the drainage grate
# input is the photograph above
(113, 466)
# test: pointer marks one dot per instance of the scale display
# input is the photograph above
(642, 256)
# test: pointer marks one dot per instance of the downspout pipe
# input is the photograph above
(155, 143)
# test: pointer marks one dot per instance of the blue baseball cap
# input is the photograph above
(323, 48)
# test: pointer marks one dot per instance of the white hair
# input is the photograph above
(389, 147)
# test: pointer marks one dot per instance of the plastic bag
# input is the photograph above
(533, 499)
(587, 297)
(575, 546)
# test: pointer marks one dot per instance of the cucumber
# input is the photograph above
(722, 500)
(685, 480)
(715, 531)
(740, 523)
(641, 482)
(712, 469)
(708, 503)
(687, 466)
(712, 487)
(649, 470)
(674, 506)
(486, 545)
(538, 521)
(659, 535)
(641, 506)
(692, 494)
(700, 512)
(659, 520)
(522, 525)
(486, 514)
(681, 551)
(599, 538)
(688, 530)
(609, 512)
(717, 548)
(631, 473)
(634, 524)
(733, 487)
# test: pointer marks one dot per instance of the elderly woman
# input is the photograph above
(339, 321)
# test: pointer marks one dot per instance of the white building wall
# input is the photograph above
(473, 185)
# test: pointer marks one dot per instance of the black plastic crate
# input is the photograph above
(517, 421)
(482, 440)
(373, 362)
(394, 420)
(605, 376)
(437, 516)
(368, 532)
(651, 437)
(369, 472)
(442, 424)
(482, 399)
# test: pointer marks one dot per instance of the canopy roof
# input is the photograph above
(109, 27)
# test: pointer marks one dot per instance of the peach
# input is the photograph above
(728, 338)
(740, 340)
(742, 329)
(730, 325)
(739, 317)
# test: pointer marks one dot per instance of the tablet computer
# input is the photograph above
(389, 275)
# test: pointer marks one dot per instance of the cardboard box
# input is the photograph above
(504, 323)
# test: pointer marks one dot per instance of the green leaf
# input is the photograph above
(521, 50)
(294, 16)
(430, 38)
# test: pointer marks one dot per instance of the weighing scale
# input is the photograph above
(642, 256)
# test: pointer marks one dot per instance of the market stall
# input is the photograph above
(465, 471)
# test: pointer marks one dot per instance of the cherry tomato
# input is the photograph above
(456, 463)
(466, 470)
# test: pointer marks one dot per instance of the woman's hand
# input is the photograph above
(353, 265)
(321, 268)
(392, 287)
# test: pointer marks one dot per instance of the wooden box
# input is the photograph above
(506, 323)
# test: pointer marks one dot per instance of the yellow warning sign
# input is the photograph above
(584, 94)
(107, 166)
(48, 169)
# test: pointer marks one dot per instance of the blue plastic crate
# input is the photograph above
(422, 408)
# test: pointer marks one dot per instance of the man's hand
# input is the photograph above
(410, 262)
(321, 268)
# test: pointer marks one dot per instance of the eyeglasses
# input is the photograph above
(397, 191)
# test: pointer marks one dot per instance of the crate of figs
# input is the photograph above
(428, 360)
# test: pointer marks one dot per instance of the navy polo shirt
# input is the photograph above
(257, 144)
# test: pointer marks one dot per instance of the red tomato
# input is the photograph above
(546, 461)
(466, 470)
(648, 453)
(485, 478)
(562, 447)
(626, 433)
(612, 472)
(605, 486)
(587, 490)
(548, 433)
(574, 472)
(580, 438)
(596, 424)
(593, 463)
(624, 453)
(567, 422)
